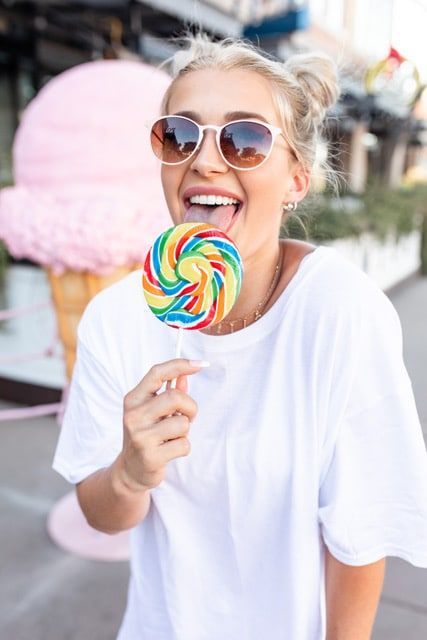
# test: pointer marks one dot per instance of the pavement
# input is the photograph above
(48, 594)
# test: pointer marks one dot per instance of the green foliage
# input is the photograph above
(396, 211)
(6, 178)
(3, 261)
(380, 211)
(323, 218)
(424, 244)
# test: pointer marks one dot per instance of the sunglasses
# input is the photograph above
(243, 144)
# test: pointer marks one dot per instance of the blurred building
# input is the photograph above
(377, 134)
(381, 130)
(40, 38)
(376, 128)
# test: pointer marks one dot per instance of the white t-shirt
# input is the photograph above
(307, 430)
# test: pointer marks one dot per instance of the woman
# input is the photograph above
(307, 465)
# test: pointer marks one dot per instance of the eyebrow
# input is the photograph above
(228, 117)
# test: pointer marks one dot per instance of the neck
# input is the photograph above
(259, 271)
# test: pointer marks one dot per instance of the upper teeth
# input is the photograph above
(213, 200)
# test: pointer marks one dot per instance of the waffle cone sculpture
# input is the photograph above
(71, 292)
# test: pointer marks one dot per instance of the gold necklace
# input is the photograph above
(257, 312)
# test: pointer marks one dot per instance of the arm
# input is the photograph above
(352, 596)
(155, 426)
(109, 503)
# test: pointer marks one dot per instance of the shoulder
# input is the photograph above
(296, 248)
(336, 285)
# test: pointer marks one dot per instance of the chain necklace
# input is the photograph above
(258, 311)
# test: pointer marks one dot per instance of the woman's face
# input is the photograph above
(209, 95)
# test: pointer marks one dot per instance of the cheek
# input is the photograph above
(172, 180)
(165, 179)
(170, 183)
(264, 188)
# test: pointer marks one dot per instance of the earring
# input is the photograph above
(290, 206)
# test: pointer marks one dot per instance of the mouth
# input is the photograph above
(222, 215)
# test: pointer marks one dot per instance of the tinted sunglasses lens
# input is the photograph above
(174, 139)
(245, 144)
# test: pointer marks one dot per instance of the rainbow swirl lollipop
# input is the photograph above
(192, 276)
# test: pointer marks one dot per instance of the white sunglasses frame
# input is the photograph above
(274, 131)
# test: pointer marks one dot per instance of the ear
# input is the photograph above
(298, 183)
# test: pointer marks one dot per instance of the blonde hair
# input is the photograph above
(304, 88)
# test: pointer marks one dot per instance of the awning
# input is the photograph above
(198, 14)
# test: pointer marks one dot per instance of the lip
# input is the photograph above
(204, 191)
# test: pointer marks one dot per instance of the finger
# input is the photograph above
(171, 402)
(170, 428)
(160, 373)
(182, 384)
(175, 448)
(161, 406)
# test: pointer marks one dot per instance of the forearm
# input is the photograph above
(352, 597)
(110, 505)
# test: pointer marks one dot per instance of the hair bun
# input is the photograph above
(317, 75)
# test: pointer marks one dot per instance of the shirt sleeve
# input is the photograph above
(373, 494)
(91, 433)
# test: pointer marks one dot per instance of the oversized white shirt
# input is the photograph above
(307, 432)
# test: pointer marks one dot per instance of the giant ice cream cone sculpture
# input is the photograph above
(71, 292)
(87, 201)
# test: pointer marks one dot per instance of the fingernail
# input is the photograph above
(199, 363)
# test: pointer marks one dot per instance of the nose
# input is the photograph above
(207, 158)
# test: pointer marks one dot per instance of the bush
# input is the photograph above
(3, 261)
(380, 210)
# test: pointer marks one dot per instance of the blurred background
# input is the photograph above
(375, 138)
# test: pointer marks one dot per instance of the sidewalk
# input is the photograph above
(46, 594)
(402, 614)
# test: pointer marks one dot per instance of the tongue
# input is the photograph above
(219, 216)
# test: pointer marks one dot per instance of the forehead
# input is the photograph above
(211, 93)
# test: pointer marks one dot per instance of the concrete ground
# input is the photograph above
(47, 594)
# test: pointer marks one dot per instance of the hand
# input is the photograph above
(152, 433)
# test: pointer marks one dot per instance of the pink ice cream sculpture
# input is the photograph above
(87, 202)
(87, 194)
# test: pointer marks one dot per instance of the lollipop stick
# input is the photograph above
(172, 383)
(179, 342)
